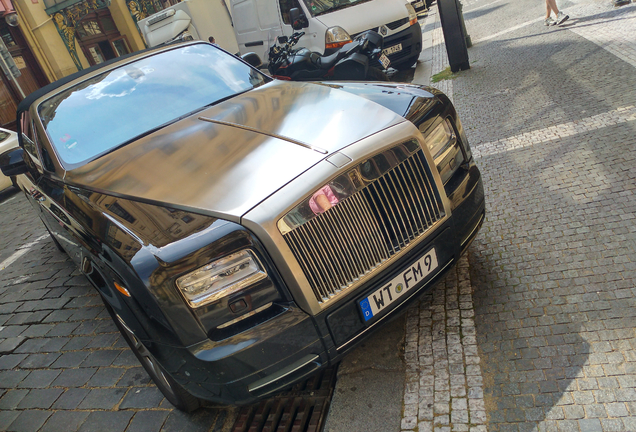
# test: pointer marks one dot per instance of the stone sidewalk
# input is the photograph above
(550, 113)
(63, 364)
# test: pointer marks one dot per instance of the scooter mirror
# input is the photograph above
(298, 19)
(252, 59)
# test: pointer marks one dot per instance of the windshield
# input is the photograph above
(319, 7)
(111, 109)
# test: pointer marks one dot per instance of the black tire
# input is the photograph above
(374, 74)
(408, 64)
(171, 389)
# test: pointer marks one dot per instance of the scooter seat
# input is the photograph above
(327, 62)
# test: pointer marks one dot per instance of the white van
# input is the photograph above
(328, 25)
(191, 19)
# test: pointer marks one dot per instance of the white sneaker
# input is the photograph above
(549, 21)
(561, 18)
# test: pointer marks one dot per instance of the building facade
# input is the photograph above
(50, 39)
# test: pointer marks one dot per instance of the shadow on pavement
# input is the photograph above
(481, 12)
(547, 266)
(8, 193)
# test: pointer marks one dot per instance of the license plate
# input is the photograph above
(385, 61)
(393, 49)
(398, 286)
(418, 4)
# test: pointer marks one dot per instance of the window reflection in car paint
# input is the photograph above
(110, 109)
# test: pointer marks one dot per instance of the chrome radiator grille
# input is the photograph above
(383, 205)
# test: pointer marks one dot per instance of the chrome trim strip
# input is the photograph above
(363, 332)
(273, 135)
(263, 382)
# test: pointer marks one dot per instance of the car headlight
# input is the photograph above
(336, 37)
(444, 147)
(221, 278)
(412, 14)
(463, 139)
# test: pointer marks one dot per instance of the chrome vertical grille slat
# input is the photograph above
(381, 253)
(343, 261)
(380, 216)
(416, 214)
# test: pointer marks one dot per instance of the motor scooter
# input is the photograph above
(361, 59)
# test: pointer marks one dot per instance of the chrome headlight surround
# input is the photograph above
(221, 278)
(443, 144)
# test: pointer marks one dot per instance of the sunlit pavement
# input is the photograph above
(551, 116)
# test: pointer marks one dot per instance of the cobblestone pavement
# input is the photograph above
(551, 115)
(550, 112)
(443, 376)
(63, 364)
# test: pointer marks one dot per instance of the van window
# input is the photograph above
(285, 7)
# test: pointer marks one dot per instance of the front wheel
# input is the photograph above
(374, 74)
(171, 389)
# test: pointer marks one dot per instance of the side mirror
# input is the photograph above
(282, 39)
(12, 162)
(252, 59)
(298, 19)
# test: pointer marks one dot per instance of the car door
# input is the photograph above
(45, 193)
(34, 166)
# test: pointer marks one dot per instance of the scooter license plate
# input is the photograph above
(393, 49)
(385, 61)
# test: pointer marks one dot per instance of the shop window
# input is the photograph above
(99, 38)
(121, 47)
(7, 38)
(108, 24)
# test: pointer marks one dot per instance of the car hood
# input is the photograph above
(408, 100)
(375, 13)
(225, 171)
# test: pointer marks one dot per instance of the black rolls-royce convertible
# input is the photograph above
(245, 232)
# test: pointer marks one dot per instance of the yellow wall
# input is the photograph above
(126, 25)
(47, 44)
(45, 41)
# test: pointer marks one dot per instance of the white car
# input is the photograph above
(8, 140)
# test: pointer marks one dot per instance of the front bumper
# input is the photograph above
(293, 345)
(411, 40)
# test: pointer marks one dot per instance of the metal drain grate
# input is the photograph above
(301, 409)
